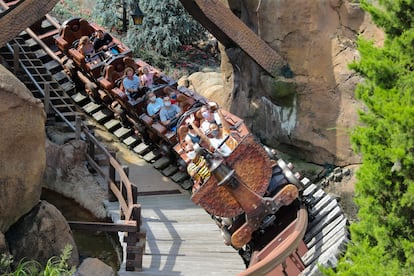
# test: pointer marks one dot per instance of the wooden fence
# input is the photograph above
(125, 193)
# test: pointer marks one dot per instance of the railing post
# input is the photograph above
(16, 53)
(135, 243)
(122, 187)
(91, 146)
(47, 98)
(111, 195)
(134, 194)
(78, 124)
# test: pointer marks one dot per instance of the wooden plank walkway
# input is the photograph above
(182, 239)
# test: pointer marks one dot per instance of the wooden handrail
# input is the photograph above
(124, 180)
(135, 238)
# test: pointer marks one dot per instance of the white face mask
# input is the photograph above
(191, 154)
(167, 103)
(152, 99)
(205, 114)
(214, 133)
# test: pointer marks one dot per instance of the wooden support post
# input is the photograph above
(135, 245)
(122, 187)
(78, 125)
(91, 146)
(16, 53)
(136, 215)
(47, 99)
(134, 194)
(111, 196)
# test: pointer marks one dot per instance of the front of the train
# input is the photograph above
(253, 198)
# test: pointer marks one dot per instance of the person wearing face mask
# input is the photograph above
(169, 113)
(198, 167)
(173, 97)
(208, 117)
(154, 105)
(219, 140)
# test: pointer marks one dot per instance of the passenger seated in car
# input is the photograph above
(173, 97)
(85, 46)
(131, 84)
(154, 105)
(192, 136)
(169, 114)
(217, 140)
(198, 167)
(119, 113)
(147, 77)
(221, 142)
(209, 116)
(102, 41)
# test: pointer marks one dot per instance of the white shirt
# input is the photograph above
(224, 149)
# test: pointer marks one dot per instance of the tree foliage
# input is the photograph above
(166, 27)
(383, 238)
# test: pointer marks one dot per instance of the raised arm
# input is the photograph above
(203, 137)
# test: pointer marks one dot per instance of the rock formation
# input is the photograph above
(33, 230)
(66, 174)
(94, 267)
(22, 149)
(41, 234)
(311, 110)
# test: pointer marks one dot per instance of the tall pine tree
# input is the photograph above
(383, 238)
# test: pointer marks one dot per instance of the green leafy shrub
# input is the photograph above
(56, 266)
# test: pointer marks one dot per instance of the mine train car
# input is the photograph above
(254, 199)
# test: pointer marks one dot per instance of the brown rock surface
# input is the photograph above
(41, 234)
(311, 110)
(22, 149)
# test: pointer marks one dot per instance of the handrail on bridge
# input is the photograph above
(125, 193)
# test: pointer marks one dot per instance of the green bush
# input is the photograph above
(383, 236)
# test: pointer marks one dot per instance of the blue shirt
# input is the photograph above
(168, 114)
(154, 107)
(131, 84)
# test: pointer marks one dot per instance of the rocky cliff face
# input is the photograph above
(311, 110)
(22, 149)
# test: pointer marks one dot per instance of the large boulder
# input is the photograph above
(3, 245)
(94, 267)
(66, 173)
(42, 234)
(311, 109)
(22, 149)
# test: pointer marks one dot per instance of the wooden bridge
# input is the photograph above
(162, 232)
